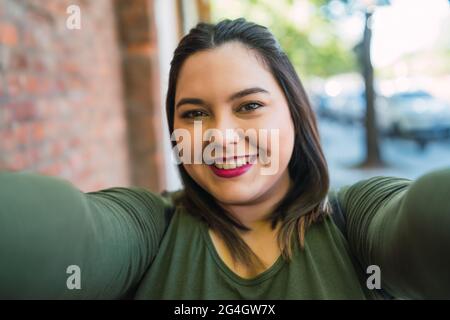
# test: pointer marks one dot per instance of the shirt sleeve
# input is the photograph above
(57, 242)
(402, 226)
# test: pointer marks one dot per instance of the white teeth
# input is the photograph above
(232, 164)
(229, 166)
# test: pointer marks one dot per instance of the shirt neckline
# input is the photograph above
(263, 276)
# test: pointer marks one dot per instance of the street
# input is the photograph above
(344, 146)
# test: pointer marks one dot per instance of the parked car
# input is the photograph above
(348, 107)
(415, 114)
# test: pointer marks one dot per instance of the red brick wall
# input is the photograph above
(141, 79)
(61, 109)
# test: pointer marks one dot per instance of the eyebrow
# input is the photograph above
(234, 96)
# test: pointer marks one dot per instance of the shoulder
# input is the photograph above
(361, 195)
(135, 196)
(137, 201)
(367, 191)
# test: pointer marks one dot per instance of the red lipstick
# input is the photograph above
(230, 173)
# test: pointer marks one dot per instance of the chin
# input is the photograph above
(232, 197)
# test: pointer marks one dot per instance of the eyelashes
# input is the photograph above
(250, 106)
(193, 114)
(244, 108)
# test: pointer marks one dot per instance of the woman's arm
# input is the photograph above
(47, 225)
(402, 226)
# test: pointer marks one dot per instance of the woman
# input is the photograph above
(232, 232)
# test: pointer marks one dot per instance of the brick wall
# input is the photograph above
(61, 104)
(141, 79)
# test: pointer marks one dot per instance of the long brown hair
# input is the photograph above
(306, 202)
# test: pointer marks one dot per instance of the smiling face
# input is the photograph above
(229, 89)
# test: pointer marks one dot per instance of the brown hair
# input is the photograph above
(306, 202)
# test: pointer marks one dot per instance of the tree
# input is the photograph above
(373, 154)
(323, 58)
(363, 49)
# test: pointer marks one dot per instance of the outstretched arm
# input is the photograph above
(403, 226)
(47, 225)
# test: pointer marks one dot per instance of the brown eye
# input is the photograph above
(250, 106)
(193, 114)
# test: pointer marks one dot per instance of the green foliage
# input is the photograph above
(325, 59)
(314, 47)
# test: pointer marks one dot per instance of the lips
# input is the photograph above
(233, 167)
(230, 173)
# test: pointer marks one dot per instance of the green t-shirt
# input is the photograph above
(132, 243)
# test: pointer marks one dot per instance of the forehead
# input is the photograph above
(219, 72)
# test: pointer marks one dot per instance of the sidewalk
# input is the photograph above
(344, 147)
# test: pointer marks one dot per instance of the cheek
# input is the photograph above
(287, 136)
(282, 152)
(281, 144)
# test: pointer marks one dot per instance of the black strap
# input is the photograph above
(337, 213)
(339, 218)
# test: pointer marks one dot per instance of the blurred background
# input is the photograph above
(87, 103)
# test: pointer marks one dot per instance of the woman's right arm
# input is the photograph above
(50, 230)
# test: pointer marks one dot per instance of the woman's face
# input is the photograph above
(229, 89)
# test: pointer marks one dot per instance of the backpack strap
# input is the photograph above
(337, 213)
(339, 218)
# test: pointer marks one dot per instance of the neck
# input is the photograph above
(254, 214)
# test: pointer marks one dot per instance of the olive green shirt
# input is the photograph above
(132, 243)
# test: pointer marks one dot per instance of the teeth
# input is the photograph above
(232, 164)
(241, 162)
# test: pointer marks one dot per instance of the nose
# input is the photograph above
(224, 133)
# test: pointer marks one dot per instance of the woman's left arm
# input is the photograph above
(402, 226)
